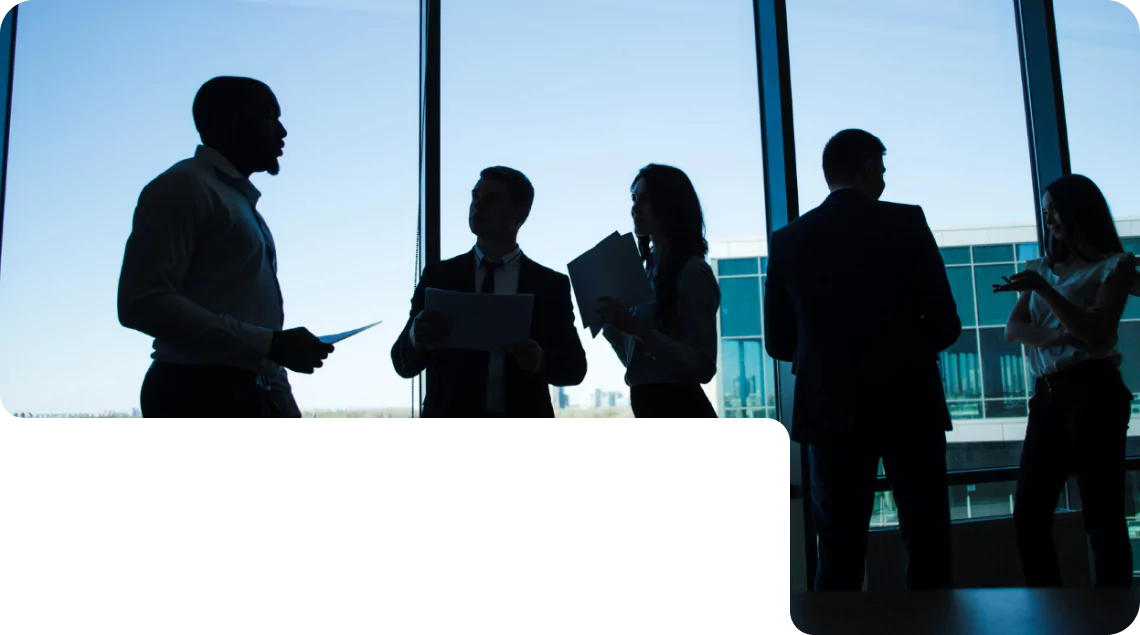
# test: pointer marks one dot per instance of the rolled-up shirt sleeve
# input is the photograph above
(173, 212)
(692, 352)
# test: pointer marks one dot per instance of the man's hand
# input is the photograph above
(428, 329)
(528, 355)
(299, 350)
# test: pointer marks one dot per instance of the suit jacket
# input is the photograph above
(858, 300)
(457, 380)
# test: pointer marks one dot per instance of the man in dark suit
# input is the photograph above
(858, 300)
(515, 382)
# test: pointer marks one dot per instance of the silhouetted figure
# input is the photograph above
(200, 270)
(515, 382)
(1067, 315)
(668, 346)
(858, 300)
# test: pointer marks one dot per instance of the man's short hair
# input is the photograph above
(518, 186)
(847, 152)
(224, 95)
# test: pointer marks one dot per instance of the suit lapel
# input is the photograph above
(465, 273)
(527, 282)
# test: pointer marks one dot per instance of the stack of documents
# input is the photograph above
(613, 269)
(481, 321)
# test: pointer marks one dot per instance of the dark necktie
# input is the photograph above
(489, 278)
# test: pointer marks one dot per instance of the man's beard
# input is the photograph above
(274, 168)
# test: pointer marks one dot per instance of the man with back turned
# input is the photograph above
(857, 299)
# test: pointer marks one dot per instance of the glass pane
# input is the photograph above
(1132, 512)
(1028, 251)
(1007, 409)
(102, 99)
(737, 267)
(954, 94)
(967, 502)
(955, 255)
(755, 413)
(1003, 366)
(993, 308)
(579, 96)
(1128, 345)
(993, 253)
(1099, 47)
(1132, 308)
(984, 500)
(961, 371)
(965, 409)
(744, 381)
(962, 286)
(740, 307)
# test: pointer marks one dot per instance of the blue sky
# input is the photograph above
(578, 95)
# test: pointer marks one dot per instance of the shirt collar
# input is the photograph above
(507, 259)
(227, 171)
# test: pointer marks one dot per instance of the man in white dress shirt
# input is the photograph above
(200, 270)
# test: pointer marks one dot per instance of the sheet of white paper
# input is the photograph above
(482, 321)
(612, 268)
(333, 339)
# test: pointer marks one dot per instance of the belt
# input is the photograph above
(264, 382)
(1083, 372)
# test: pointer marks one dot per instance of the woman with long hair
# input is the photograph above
(668, 346)
(1067, 316)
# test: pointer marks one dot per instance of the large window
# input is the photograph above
(1099, 45)
(579, 96)
(940, 84)
(102, 104)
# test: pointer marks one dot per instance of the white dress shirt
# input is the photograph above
(506, 282)
(1079, 283)
(200, 271)
(684, 352)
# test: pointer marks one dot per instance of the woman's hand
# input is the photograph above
(617, 315)
(1024, 281)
